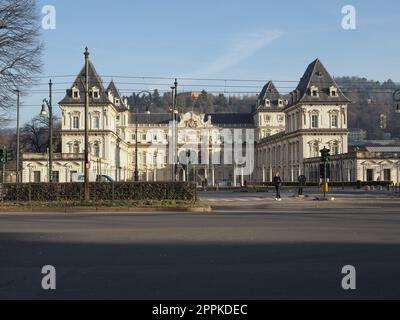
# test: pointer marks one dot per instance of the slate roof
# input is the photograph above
(115, 92)
(316, 75)
(383, 149)
(271, 93)
(230, 118)
(152, 118)
(94, 81)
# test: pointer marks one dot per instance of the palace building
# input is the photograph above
(289, 131)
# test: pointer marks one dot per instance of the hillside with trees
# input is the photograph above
(370, 99)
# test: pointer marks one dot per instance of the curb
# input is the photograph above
(205, 209)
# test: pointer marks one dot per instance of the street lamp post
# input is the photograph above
(136, 146)
(87, 163)
(18, 138)
(44, 113)
(174, 128)
(148, 95)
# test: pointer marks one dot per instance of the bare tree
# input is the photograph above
(35, 135)
(20, 49)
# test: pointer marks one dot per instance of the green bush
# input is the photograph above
(99, 191)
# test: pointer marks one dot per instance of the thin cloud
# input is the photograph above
(242, 46)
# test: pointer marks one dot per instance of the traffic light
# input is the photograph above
(325, 155)
(9, 155)
(6, 155)
(322, 171)
(2, 155)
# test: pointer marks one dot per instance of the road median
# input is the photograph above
(105, 207)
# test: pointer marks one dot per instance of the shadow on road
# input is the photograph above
(190, 270)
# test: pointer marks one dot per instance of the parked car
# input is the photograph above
(93, 177)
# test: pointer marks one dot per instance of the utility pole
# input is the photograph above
(172, 147)
(87, 163)
(175, 108)
(18, 138)
(50, 132)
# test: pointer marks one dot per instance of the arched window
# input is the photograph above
(334, 121)
(314, 121)
(96, 121)
(75, 148)
(75, 122)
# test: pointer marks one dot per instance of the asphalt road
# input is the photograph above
(267, 251)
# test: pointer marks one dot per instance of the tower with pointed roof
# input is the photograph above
(107, 111)
(269, 116)
(315, 117)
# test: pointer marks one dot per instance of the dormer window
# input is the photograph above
(95, 93)
(117, 102)
(314, 91)
(280, 102)
(333, 92)
(75, 93)
(267, 102)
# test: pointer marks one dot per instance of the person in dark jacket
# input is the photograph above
(278, 186)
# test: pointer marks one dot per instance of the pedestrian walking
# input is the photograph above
(302, 182)
(278, 186)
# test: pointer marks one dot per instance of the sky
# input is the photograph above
(252, 39)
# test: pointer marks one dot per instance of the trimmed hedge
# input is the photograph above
(99, 191)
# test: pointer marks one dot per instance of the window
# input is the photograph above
(370, 175)
(335, 149)
(280, 102)
(94, 93)
(316, 150)
(333, 92)
(96, 122)
(281, 119)
(267, 119)
(117, 102)
(56, 176)
(144, 137)
(71, 175)
(75, 148)
(96, 150)
(75, 122)
(75, 93)
(314, 91)
(314, 121)
(267, 103)
(387, 175)
(134, 137)
(36, 176)
(334, 121)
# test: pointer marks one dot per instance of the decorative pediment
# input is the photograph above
(192, 120)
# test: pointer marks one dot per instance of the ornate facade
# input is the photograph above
(315, 116)
(289, 132)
